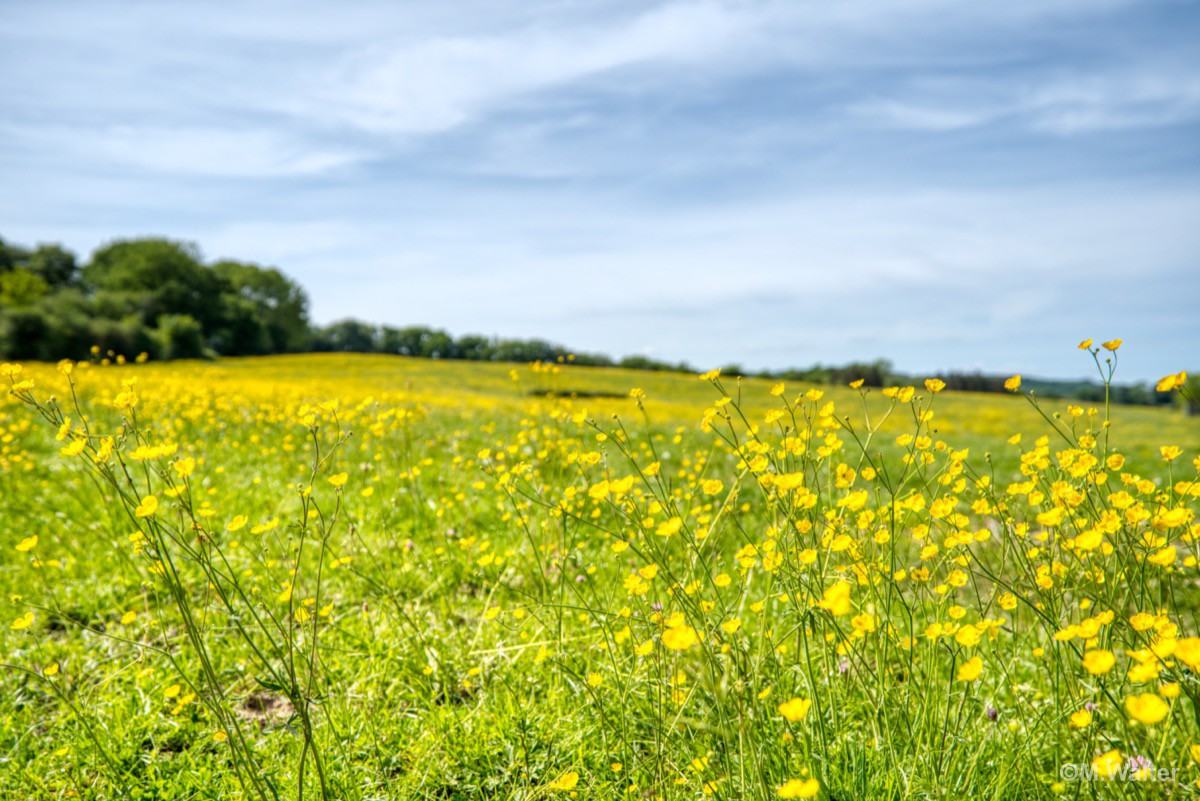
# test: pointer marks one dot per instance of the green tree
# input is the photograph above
(12, 256)
(20, 287)
(26, 333)
(348, 336)
(154, 277)
(180, 337)
(474, 347)
(128, 337)
(404, 341)
(55, 264)
(279, 302)
(242, 330)
(439, 345)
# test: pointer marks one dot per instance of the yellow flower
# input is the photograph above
(23, 622)
(1188, 650)
(680, 638)
(669, 527)
(1146, 708)
(1170, 382)
(1107, 764)
(147, 507)
(74, 448)
(1085, 344)
(778, 389)
(27, 544)
(125, 400)
(1098, 662)
(128, 617)
(712, 486)
(1163, 557)
(339, 479)
(565, 782)
(800, 788)
(967, 636)
(935, 385)
(795, 709)
(837, 599)
(1081, 719)
(1051, 518)
(1112, 344)
(1013, 384)
(236, 523)
(621, 486)
(1166, 383)
(970, 670)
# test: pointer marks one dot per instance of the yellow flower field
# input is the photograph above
(367, 577)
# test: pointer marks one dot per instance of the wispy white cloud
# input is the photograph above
(209, 151)
(1139, 96)
(917, 116)
(1145, 98)
(442, 82)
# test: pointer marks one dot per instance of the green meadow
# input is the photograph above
(371, 577)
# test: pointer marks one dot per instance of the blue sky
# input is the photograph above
(942, 183)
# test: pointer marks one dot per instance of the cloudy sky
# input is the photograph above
(947, 184)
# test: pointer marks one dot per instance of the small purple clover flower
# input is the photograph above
(1137, 764)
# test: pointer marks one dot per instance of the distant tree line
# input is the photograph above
(158, 297)
(354, 336)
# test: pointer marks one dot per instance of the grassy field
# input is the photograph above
(365, 577)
